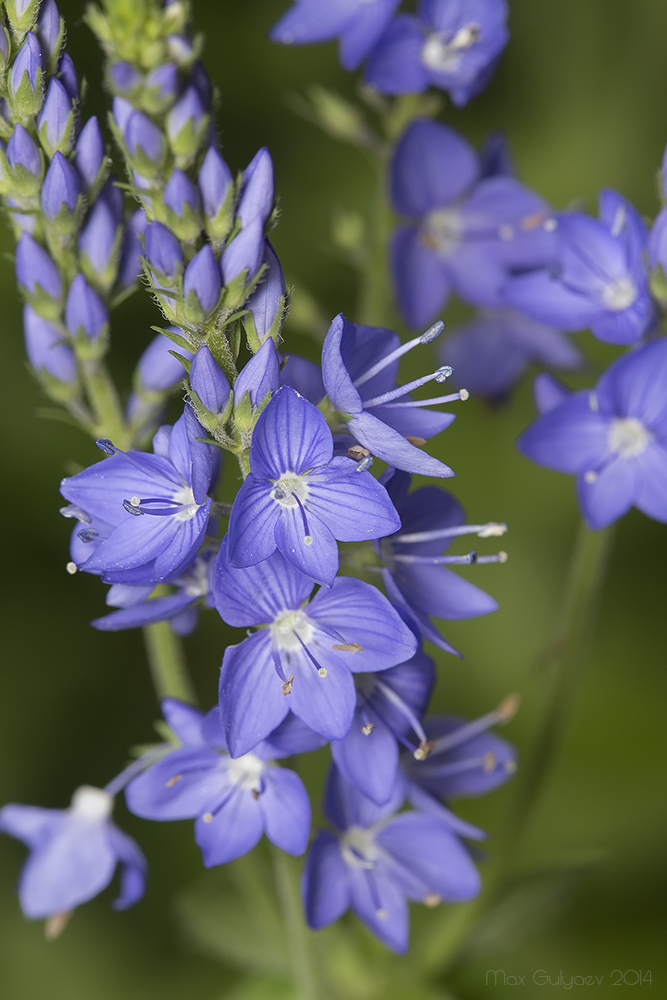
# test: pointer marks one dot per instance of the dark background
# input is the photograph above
(581, 92)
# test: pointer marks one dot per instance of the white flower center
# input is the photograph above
(92, 804)
(443, 54)
(628, 437)
(358, 847)
(246, 771)
(620, 295)
(288, 628)
(442, 230)
(186, 497)
(288, 488)
(197, 585)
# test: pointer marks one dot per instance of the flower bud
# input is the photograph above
(201, 285)
(144, 142)
(25, 162)
(163, 253)
(50, 31)
(61, 195)
(26, 80)
(5, 48)
(124, 77)
(85, 312)
(180, 207)
(266, 305)
(180, 49)
(100, 239)
(45, 348)
(67, 74)
(186, 123)
(259, 378)
(55, 125)
(256, 198)
(241, 260)
(90, 154)
(21, 14)
(38, 277)
(158, 370)
(161, 87)
(129, 269)
(209, 382)
(217, 194)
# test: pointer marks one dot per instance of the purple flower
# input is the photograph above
(256, 197)
(598, 280)
(298, 498)
(304, 376)
(61, 188)
(460, 758)
(45, 348)
(452, 44)
(490, 353)
(36, 273)
(67, 76)
(55, 124)
(416, 578)
(154, 507)
(380, 417)
(614, 439)
(74, 853)
(305, 657)
(467, 233)
(209, 381)
(99, 242)
(28, 65)
(89, 153)
(378, 860)
(244, 252)
(163, 252)
(84, 310)
(215, 184)
(143, 139)
(22, 151)
(164, 82)
(184, 121)
(129, 268)
(232, 800)
(358, 25)
(266, 304)
(390, 704)
(259, 378)
(49, 27)
(202, 281)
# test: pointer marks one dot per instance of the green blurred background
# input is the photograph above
(581, 92)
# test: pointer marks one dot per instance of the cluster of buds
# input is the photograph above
(206, 254)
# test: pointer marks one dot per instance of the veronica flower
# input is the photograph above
(304, 657)
(232, 800)
(416, 577)
(383, 419)
(452, 44)
(180, 608)
(298, 498)
(379, 859)
(460, 757)
(598, 279)
(390, 704)
(614, 439)
(491, 352)
(74, 853)
(358, 24)
(465, 232)
(155, 506)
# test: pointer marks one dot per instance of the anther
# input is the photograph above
(432, 332)
(489, 762)
(423, 750)
(532, 221)
(322, 672)
(307, 539)
(56, 924)
(510, 766)
(442, 374)
(418, 442)
(287, 686)
(550, 225)
(368, 728)
(508, 708)
(208, 817)
(381, 914)
(132, 508)
(348, 647)
(88, 535)
(492, 530)
(365, 464)
(432, 899)
(590, 477)
(502, 556)
(71, 568)
(106, 446)
(254, 793)
(357, 452)
(463, 395)
(172, 781)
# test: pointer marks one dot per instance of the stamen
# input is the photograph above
(356, 452)
(72, 568)
(307, 535)
(208, 817)
(463, 394)
(426, 338)
(172, 781)
(365, 464)
(432, 899)
(323, 671)
(88, 535)
(491, 530)
(440, 375)
(418, 442)
(508, 708)
(348, 647)
(56, 924)
(132, 508)
(368, 728)
(501, 715)
(106, 446)
(469, 559)
(397, 702)
(287, 686)
(423, 750)
(72, 511)
(254, 793)
(489, 762)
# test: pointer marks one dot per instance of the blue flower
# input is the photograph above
(467, 232)
(378, 860)
(46, 349)
(298, 498)
(148, 513)
(598, 279)
(452, 44)
(490, 353)
(390, 704)
(416, 578)
(357, 23)
(614, 439)
(359, 368)
(306, 652)
(232, 800)
(74, 853)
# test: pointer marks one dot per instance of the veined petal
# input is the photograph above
(233, 831)
(393, 448)
(101, 488)
(634, 386)
(286, 808)
(353, 504)
(182, 785)
(610, 495)
(255, 595)
(432, 166)
(380, 903)
(184, 720)
(337, 380)
(548, 300)
(421, 279)
(369, 762)
(327, 703)
(252, 704)
(133, 868)
(291, 435)
(324, 886)
(439, 592)
(252, 523)
(570, 438)
(317, 558)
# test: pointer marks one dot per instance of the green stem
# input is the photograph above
(104, 401)
(565, 657)
(167, 663)
(289, 899)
